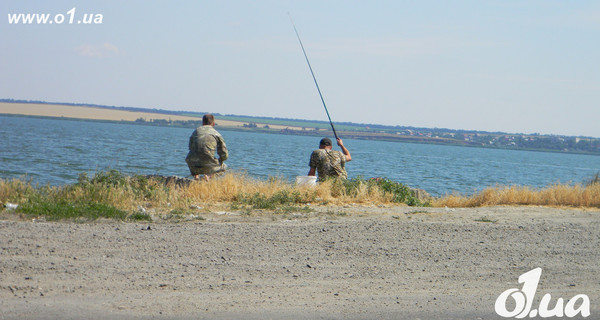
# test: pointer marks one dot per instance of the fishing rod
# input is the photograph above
(313, 75)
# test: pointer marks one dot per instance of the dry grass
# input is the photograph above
(231, 186)
(115, 195)
(15, 190)
(555, 195)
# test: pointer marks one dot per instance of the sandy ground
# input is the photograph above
(79, 112)
(336, 263)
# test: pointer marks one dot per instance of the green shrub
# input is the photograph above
(283, 200)
(140, 217)
(401, 193)
(57, 209)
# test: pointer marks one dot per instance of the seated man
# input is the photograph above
(329, 163)
(204, 142)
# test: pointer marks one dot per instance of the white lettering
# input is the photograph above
(87, 19)
(71, 14)
(584, 308)
(545, 312)
(519, 298)
(43, 18)
(59, 18)
(28, 18)
(524, 297)
(47, 18)
(98, 19)
(14, 18)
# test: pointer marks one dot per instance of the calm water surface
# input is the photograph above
(56, 151)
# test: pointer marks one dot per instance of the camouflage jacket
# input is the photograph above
(329, 163)
(204, 142)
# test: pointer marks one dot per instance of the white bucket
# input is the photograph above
(306, 181)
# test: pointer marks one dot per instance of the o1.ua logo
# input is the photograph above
(523, 301)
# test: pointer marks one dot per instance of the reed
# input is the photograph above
(15, 190)
(554, 195)
(594, 180)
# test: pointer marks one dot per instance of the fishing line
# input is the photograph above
(313, 75)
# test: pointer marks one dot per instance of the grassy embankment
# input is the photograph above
(117, 196)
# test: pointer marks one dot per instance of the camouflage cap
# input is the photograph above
(325, 142)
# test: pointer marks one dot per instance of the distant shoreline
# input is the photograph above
(92, 113)
(87, 113)
(266, 125)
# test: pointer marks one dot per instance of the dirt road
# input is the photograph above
(338, 263)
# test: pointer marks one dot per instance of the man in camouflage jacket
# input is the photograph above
(203, 144)
(327, 162)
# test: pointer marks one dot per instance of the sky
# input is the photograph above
(510, 66)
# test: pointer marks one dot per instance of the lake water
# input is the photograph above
(55, 152)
